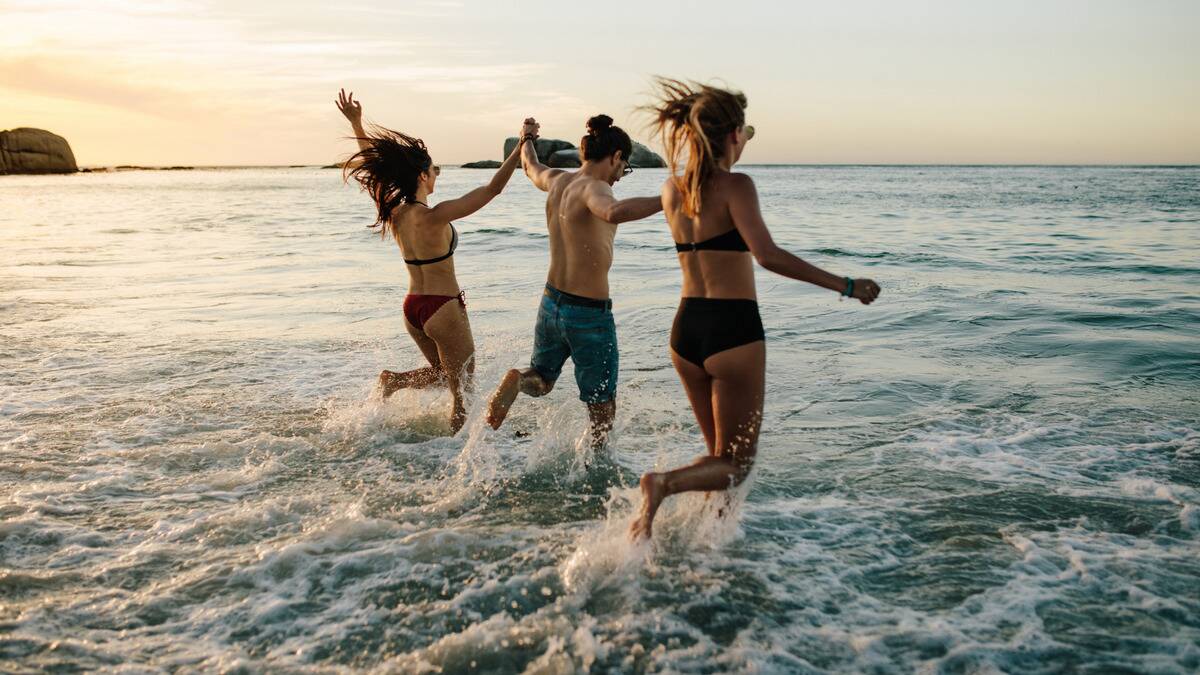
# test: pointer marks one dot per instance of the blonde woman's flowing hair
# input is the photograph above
(693, 120)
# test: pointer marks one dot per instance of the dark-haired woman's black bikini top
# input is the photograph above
(430, 261)
(726, 241)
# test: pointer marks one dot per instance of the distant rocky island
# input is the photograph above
(562, 154)
(25, 150)
(37, 151)
(131, 167)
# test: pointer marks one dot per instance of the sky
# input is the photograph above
(221, 82)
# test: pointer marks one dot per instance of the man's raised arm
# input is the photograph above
(539, 173)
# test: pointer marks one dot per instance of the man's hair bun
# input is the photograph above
(599, 123)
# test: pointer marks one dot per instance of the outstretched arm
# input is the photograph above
(476, 199)
(353, 111)
(747, 217)
(539, 173)
(601, 202)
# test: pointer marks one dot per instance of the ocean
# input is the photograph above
(994, 468)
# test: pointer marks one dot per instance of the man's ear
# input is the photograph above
(617, 157)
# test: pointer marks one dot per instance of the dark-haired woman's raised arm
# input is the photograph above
(453, 209)
(353, 111)
(747, 218)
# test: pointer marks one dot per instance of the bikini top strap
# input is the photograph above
(430, 261)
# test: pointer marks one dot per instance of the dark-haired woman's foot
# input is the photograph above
(389, 383)
(654, 490)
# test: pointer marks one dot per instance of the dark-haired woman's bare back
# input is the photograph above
(399, 173)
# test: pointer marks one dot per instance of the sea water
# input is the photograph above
(995, 468)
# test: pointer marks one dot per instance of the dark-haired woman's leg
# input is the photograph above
(430, 375)
(451, 331)
(734, 380)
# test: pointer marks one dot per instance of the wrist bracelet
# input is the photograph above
(849, 292)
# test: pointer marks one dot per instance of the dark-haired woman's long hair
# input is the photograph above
(388, 169)
(694, 118)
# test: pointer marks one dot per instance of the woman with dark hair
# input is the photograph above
(717, 341)
(399, 174)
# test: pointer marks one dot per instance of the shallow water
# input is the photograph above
(995, 467)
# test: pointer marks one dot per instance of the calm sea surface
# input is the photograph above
(994, 468)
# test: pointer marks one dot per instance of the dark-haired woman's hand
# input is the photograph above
(530, 128)
(866, 290)
(350, 108)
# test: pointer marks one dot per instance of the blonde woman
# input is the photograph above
(717, 340)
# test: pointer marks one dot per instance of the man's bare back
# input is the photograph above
(581, 244)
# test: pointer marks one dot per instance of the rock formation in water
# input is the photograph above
(561, 154)
(28, 150)
(543, 146)
(645, 158)
(482, 164)
(565, 159)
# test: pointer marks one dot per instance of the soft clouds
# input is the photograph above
(186, 81)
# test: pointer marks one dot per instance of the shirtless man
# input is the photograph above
(575, 316)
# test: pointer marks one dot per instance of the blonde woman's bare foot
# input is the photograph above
(503, 399)
(654, 490)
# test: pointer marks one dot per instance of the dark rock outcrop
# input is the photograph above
(544, 147)
(645, 158)
(561, 154)
(483, 164)
(28, 150)
(565, 159)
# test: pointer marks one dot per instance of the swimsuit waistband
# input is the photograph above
(716, 303)
(564, 298)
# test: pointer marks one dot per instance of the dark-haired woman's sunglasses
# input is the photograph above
(627, 170)
(437, 170)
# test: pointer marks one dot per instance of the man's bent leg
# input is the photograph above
(527, 381)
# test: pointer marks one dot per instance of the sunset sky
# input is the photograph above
(221, 82)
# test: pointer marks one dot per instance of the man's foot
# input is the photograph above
(389, 383)
(457, 418)
(503, 399)
(654, 490)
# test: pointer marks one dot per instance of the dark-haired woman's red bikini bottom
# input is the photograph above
(419, 308)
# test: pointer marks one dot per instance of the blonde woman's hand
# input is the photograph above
(866, 290)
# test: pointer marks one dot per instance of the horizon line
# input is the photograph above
(1146, 165)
